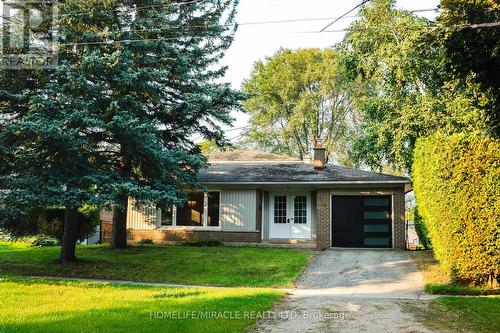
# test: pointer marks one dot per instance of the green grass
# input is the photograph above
(437, 280)
(63, 306)
(220, 266)
(461, 314)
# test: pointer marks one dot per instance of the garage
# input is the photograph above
(361, 221)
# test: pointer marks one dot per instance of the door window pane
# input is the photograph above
(376, 241)
(376, 201)
(166, 216)
(300, 209)
(280, 209)
(191, 214)
(376, 215)
(213, 209)
(376, 228)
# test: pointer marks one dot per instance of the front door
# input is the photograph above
(290, 216)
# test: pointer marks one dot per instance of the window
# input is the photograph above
(200, 210)
(280, 209)
(376, 202)
(376, 241)
(376, 215)
(213, 209)
(376, 228)
(167, 217)
(300, 209)
(191, 214)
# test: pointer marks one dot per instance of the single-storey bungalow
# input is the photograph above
(252, 197)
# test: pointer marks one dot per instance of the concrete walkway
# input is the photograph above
(352, 290)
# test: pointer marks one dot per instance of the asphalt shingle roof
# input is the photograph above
(288, 172)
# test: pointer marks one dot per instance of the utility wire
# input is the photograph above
(341, 16)
(322, 18)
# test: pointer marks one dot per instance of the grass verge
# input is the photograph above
(68, 306)
(460, 314)
(219, 266)
(437, 281)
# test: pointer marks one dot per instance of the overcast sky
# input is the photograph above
(256, 41)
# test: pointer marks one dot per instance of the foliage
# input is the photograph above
(197, 265)
(144, 100)
(402, 88)
(421, 229)
(75, 306)
(145, 241)
(473, 53)
(209, 147)
(457, 186)
(437, 280)
(42, 240)
(51, 222)
(296, 97)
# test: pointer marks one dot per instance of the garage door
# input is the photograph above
(360, 221)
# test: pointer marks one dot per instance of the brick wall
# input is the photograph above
(323, 221)
(165, 236)
(399, 220)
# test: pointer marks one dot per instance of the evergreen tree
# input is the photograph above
(136, 80)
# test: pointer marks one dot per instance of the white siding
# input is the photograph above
(140, 217)
(238, 209)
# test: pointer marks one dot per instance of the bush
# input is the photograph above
(145, 241)
(456, 180)
(421, 230)
(42, 240)
(51, 222)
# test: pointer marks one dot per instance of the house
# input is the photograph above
(266, 199)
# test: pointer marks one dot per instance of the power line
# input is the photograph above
(322, 18)
(341, 16)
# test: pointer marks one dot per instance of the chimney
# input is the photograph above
(319, 157)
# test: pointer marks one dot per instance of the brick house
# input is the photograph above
(260, 198)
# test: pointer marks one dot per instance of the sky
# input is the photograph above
(256, 41)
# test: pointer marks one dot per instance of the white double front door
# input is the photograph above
(290, 216)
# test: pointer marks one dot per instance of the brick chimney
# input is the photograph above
(319, 156)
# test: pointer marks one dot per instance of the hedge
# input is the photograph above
(51, 222)
(457, 186)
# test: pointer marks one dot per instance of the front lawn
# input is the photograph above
(220, 266)
(64, 306)
(437, 281)
(461, 314)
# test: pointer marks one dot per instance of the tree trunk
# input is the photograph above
(70, 235)
(119, 228)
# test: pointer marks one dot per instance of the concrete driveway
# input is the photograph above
(352, 290)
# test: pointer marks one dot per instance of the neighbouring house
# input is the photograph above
(252, 197)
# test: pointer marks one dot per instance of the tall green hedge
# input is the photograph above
(457, 186)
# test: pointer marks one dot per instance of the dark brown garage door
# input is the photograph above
(361, 221)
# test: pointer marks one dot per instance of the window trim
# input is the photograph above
(205, 215)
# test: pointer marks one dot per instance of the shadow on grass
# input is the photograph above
(170, 310)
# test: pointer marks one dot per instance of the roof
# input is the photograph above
(248, 155)
(289, 172)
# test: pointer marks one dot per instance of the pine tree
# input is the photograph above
(136, 81)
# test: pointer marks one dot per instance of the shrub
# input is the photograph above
(421, 230)
(51, 221)
(43, 240)
(145, 241)
(456, 180)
